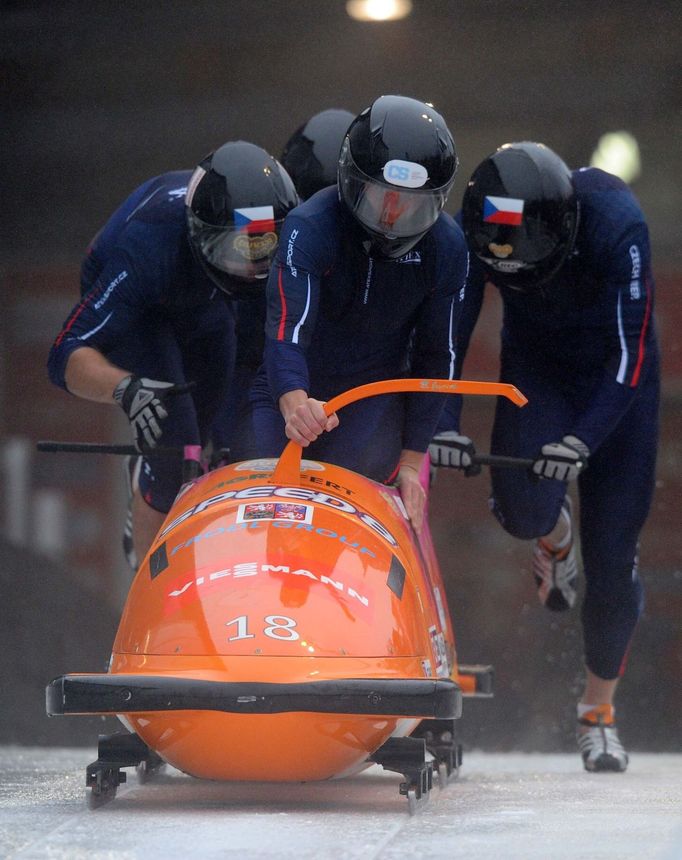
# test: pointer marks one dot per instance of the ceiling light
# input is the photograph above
(618, 152)
(378, 10)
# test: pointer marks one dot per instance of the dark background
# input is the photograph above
(97, 97)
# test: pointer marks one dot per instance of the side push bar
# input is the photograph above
(123, 694)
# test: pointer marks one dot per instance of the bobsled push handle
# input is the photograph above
(288, 468)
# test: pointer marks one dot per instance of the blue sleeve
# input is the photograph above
(627, 309)
(471, 309)
(434, 344)
(108, 312)
(293, 295)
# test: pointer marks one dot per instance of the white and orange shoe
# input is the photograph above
(598, 741)
(555, 567)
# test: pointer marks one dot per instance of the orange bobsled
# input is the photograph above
(286, 624)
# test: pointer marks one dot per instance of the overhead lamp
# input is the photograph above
(378, 10)
(617, 152)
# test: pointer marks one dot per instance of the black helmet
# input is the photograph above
(396, 169)
(311, 155)
(520, 214)
(236, 201)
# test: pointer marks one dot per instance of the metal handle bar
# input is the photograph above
(288, 470)
(97, 448)
(502, 462)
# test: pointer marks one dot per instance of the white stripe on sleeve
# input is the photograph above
(301, 322)
(622, 369)
(90, 333)
(451, 345)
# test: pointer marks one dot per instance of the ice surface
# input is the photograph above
(503, 806)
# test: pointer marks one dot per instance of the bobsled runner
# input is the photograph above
(287, 624)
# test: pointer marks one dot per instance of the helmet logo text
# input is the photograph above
(405, 173)
(255, 247)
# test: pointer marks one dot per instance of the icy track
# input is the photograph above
(530, 807)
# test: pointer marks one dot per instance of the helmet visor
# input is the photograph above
(243, 251)
(389, 210)
(530, 252)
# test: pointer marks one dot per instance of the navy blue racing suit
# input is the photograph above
(338, 318)
(583, 350)
(148, 307)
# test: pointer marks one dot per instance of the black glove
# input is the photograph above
(454, 451)
(563, 460)
(142, 401)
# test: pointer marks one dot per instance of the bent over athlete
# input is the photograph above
(158, 285)
(569, 253)
(367, 285)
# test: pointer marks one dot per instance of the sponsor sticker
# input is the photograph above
(439, 652)
(405, 173)
(275, 511)
(299, 573)
(219, 531)
(268, 465)
(255, 247)
(292, 494)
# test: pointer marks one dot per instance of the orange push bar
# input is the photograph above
(288, 468)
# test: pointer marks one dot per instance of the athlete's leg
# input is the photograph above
(527, 507)
(615, 493)
(615, 496)
(157, 355)
(233, 428)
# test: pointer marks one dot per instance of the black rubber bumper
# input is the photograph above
(126, 694)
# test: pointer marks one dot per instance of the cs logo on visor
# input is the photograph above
(405, 173)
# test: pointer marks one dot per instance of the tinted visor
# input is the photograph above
(242, 251)
(526, 255)
(390, 211)
(524, 276)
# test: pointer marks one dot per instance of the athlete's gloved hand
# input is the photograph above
(563, 460)
(454, 451)
(142, 401)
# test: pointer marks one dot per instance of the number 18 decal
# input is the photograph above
(279, 627)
